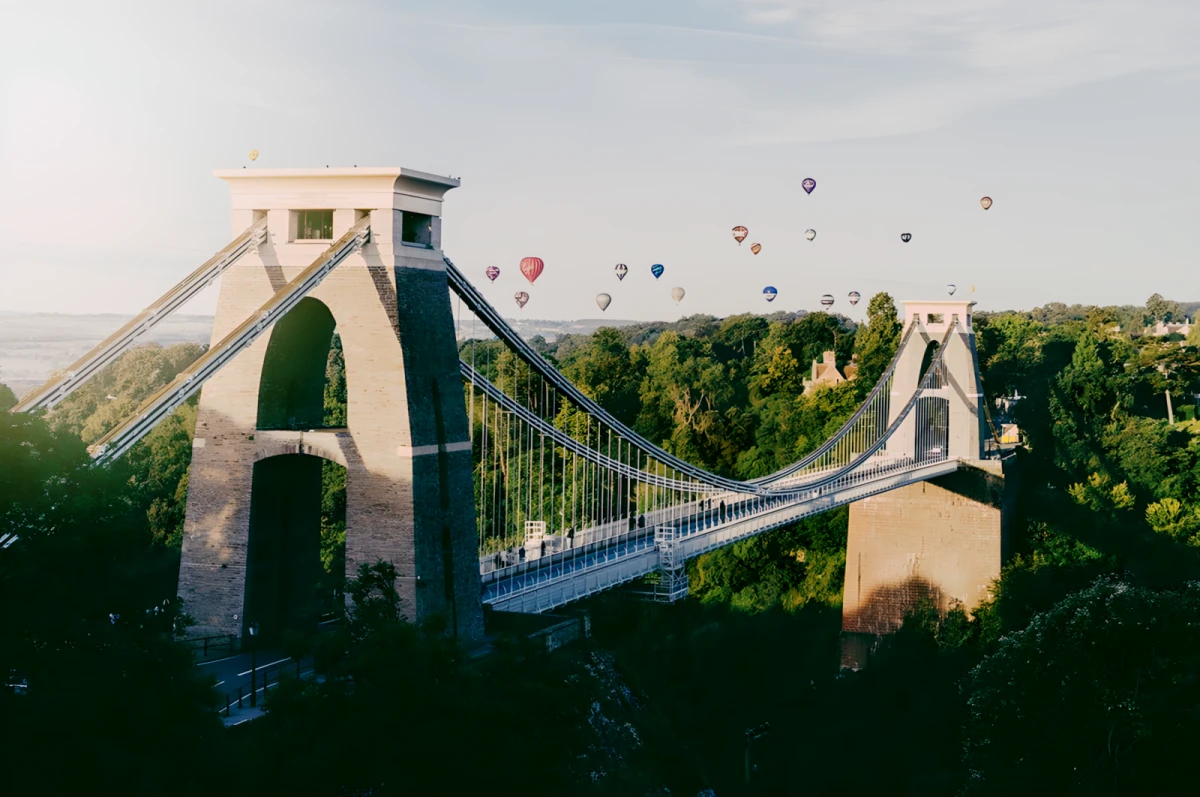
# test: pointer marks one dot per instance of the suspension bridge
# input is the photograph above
(486, 480)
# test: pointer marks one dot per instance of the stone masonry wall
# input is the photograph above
(942, 539)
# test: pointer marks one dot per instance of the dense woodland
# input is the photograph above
(1078, 677)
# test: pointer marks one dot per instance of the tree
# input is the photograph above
(87, 623)
(1160, 309)
(1089, 699)
(876, 343)
(8, 399)
(605, 370)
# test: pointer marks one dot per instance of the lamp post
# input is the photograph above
(253, 629)
(757, 732)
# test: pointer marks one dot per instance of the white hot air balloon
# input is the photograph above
(810, 234)
(951, 288)
(677, 294)
(603, 300)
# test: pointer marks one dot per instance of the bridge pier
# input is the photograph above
(943, 540)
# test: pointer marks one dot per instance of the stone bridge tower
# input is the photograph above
(251, 544)
(942, 540)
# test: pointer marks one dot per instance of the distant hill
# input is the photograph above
(550, 330)
(35, 345)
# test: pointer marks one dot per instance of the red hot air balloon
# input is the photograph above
(532, 267)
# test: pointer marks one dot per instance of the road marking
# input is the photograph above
(218, 661)
(265, 666)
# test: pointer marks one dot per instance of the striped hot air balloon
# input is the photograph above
(532, 267)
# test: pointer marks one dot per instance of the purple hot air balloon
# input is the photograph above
(492, 272)
(521, 298)
(808, 185)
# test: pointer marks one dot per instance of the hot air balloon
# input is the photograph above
(492, 272)
(657, 270)
(827, 300)
(769, 293)
(739, 234)
(972, 289)
(621, 270)
(906, 236)
(253, 154)
(532, 267)
(808, 184)
(810, 234)
(951, 288)
(677, 294)
(756, 248)
(603, 300)
(522, 297)
(986, 202)
(854, 297)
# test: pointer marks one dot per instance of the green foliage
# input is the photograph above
(1091, 698)
(89, 612)
(398, 709)
(1160, 309)
(877, 342)
(790, 568)
(8, 399)
(115, 393)
(1177, 520)
(331, 588)
(335, 386)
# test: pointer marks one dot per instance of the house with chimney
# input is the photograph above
(825, 372)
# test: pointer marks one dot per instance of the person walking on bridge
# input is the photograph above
(721, 512)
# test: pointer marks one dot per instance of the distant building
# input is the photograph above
(826, 372)
(1161, 329)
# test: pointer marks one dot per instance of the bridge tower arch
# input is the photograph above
(406, 449)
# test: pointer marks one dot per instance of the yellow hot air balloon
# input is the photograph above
(756, 248)
(253, 154)
(986, 202)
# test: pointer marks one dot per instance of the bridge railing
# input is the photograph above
(225, 642)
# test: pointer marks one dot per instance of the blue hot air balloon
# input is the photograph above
(769, 293)
(657, 270)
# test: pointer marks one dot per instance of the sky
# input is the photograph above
(591, 134)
